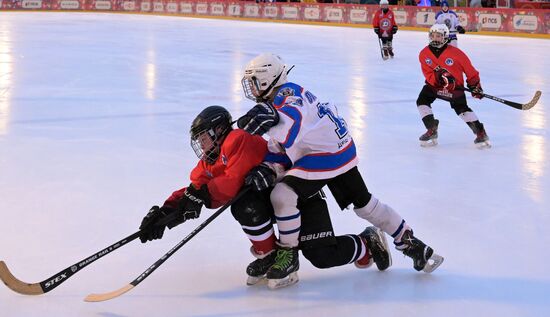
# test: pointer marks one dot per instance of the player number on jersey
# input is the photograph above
(341, 128)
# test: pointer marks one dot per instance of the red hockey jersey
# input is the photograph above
(240, 152)
(452, 59)
(384, 22)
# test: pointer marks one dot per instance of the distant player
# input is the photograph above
(450, 19)
(385, 27)
(319, 148)
(443, 67)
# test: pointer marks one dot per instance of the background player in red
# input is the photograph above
(230, 158)
(443, 67)
(385, 27)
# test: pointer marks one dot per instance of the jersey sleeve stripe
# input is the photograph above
(326, 161)
(295, 116)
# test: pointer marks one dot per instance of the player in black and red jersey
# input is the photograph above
(385, 27)
(229, 158)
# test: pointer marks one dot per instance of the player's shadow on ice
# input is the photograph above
(401, 285)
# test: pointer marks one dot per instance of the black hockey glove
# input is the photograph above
(260, 177)
(394, 29)
(258, 120)
(190, 205)
(153, 224)
(377, 31)
(460, 29)
(476, 90)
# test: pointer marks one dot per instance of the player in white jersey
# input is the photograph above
(315, 144)
(450, 19)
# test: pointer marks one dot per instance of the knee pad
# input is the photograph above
(253, 209)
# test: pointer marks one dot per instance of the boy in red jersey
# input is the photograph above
(229, 159)
(385, 27)
(443, 67)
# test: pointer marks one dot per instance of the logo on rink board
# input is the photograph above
(69, 5)
(216, 9)
(400, 17)
(425, 18)
(312, 13)
(32, 4)
(358, 15)
(334, 14)
(525, 22)
(103, 5)
(290, 13)
(158, 7)
(186, 8)
(202, 8)
(449, 61)
(491, 21)
(234, 10)
(172, 7)
(251, 11)
(129, 5)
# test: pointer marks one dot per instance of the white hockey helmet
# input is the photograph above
(262, 74)
(384, 2)
(439, 35)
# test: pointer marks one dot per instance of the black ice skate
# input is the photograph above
(285, 270)
(377, 247)
(424, 258)
(390, 51)
(257, 269)
(385, 54)
(482, 140)
(430, 137)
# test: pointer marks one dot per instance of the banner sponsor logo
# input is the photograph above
(217, 9)
(234, 10)
(400, 17)
(290, 12)
(490, 21)
(462, 18)
(425, 18)
(146, 6)
(103, 5)
(31, 4)
(69, 5)
(172, 7)
(252, 11)
(334, 14)
(358, 15)
(158, 7)
(129, 5)
(312, 13)
(186, 8)
(525, 22)
(270, 11)
(201, 8)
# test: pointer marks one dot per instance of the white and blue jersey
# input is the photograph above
(315, 139)
(450, 19)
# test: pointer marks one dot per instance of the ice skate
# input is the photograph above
(257, 269)
(424, 258)
(285, 270)
(390, 51)
(377, 246)
(430, 137)
(385, 54)
(482, 140)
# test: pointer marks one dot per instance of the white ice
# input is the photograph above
(94, 118)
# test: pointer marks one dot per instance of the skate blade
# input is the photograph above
(256, 280)
(382, 236)
(433, 263)
(430, 143)
(291, 279)
(483, 145)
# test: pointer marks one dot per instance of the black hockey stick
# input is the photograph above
(158, 263)
(525, 106)
(381, 50)
(54, 281)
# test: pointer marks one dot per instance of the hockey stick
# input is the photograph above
(381, 50)
(158, 263)
(47, 285)
(525, 106)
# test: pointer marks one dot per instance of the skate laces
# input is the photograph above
(283, 259)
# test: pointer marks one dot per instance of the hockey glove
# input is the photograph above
(153, 224)
(260, 177)
(476, 90)
(460, 29)
(394, 29)
(377, 31)
(190, 205)
(258, 120)
(445, 79)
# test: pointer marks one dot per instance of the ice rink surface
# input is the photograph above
(94, 117)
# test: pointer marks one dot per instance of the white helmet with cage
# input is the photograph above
(262, 74)
(439, 35)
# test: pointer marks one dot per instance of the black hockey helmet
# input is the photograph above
(208, 131)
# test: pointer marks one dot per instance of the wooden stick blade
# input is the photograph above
(108, 296)
(16, 285)
(533, 102)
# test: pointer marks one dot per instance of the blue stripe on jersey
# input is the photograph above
(280, 158)
(296, 116)
(284, 91)
(326, 161)
(297, 215)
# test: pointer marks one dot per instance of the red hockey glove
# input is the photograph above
(476, 90)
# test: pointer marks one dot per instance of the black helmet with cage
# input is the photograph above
(208, 131)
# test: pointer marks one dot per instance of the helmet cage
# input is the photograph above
(438, 37)
(206, 144)
(256, 89)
